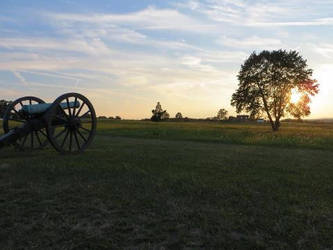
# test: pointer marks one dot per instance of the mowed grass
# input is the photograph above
(304, 135)
(145, 185)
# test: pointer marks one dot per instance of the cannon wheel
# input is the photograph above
(78, 126)
(12, 118)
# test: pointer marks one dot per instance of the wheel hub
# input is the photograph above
(74, 123)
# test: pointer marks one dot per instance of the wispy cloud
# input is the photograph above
(20, 77)
(264, 13)
(324, 49)
(253, 42)
(313, 22)
(150, 18)
(92, 47)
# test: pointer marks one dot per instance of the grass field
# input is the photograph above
(174, 185)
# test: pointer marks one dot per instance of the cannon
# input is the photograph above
(68, 124)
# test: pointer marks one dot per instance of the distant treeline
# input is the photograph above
(324, 120)
(109, 118)
(210, 119)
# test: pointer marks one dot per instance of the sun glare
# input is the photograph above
(295, 96)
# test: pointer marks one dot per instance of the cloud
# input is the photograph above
(314, 22)
(252, 42)
(263, 13)
(150, 18)
(324, 49)
(92, 47)
(21, 78)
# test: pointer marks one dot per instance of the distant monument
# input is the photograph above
(158, 108)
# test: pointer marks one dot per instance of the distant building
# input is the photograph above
(242, 117)
(260, 120)
(239, 118)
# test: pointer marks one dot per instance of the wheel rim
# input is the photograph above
(13, 118)
(78, 123)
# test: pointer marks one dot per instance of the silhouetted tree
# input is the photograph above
(159, 114)
(118, 117)
(179, 115)
(266, 81)
(222, 114)
(3, 107)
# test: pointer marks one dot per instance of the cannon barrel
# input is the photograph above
(19, 132)
(43, 107)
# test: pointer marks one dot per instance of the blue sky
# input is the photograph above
(127, 55)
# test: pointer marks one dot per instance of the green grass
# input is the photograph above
(301, 135)
(145, 185)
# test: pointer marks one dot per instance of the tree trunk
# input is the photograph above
(273, 125)
(276, 124)
(267, 111)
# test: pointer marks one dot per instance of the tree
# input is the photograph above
(179, 115)
(3, 107)
(266, 81)
(222, 114)
(159, 114)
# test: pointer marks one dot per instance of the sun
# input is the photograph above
(295, 96)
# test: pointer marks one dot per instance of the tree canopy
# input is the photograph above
(266, 81)
(222, 114)
(179, 116)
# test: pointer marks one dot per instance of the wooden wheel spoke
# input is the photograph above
(82, 116)
(32, 140)
(78, 112)
(70, 141)
(69, 108)
(61, 118)
(24, 140)
(77, 141)
(63, 113)
(74, 110)
(38, 138)
(43, 133)
(60, 134)
(83, 138)
(65, 138)
(16, 112)
(85, 129)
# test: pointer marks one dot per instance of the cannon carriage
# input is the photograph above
(68, 124)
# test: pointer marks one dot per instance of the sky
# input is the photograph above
(127, 55)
